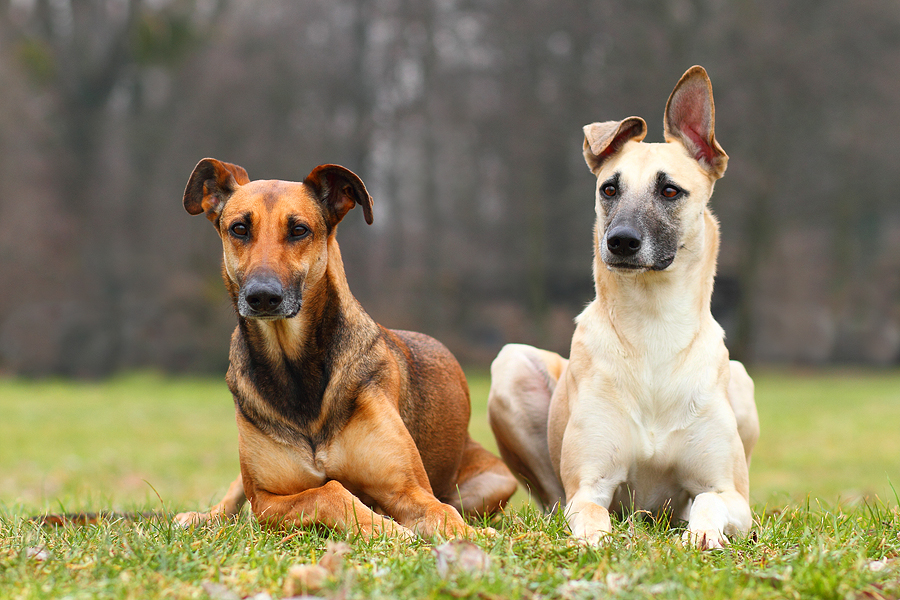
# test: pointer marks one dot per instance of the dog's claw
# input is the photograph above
(709, 539)
(387, 526)
(403, 532)
(594, 540)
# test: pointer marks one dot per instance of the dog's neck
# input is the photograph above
(292, 362)
(668, 305)
(325, 303)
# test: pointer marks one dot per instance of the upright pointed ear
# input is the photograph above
(339, 189)
(691, 119)
(210, 186)
(602, 140)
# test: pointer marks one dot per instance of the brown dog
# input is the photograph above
(337, 416)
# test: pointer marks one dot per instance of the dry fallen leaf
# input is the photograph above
(876, 565)
(460, 556)
(38, 553)
(305, 578)
(617, 582)
(578, 589)
(333, 559)
(217, 591)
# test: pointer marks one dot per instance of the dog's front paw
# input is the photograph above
(444, 523)
(457, 531)
(444, 530)
(593, 538)
(387, 526)
(706, 539)
(191, 519)
(402, 532)
(590, 524)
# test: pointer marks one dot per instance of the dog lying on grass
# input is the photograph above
(341, 422)
(648, 413)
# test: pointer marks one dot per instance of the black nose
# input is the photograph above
(264, 295)
(623, 241)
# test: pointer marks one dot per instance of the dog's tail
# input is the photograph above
(94, 518)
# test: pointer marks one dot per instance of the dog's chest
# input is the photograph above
(654, 465)
(283, 468)
(665, 417)
(660, 400)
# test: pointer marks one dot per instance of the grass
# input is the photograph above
(827, 522)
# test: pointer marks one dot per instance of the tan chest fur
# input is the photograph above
(281, 468)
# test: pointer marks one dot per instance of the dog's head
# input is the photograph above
(275, 234)
(651, 198)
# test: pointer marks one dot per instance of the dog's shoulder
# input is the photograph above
(420, 351)
(433, 381)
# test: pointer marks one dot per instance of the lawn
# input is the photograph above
(827, 522)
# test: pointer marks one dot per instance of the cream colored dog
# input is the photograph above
(648, 413)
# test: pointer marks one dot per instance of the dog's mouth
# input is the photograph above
(288, 310)
(269, 317)
(626, 266)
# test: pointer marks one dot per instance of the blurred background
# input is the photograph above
(464, 119)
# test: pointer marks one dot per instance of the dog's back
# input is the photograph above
(435, 404)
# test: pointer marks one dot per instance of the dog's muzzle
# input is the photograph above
(623, 250)
(264, 297)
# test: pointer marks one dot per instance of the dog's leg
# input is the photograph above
(484, 484)
(331, 505)
(377, 455)
(229, 506)
(522, 382)
(740, 395)
(591, 486)
(714, 516)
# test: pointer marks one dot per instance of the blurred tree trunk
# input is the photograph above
(90, 49)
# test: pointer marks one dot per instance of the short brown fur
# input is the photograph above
(339, 419)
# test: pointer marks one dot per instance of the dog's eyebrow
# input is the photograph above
(295, 220)
(614, 180)
(663, 179)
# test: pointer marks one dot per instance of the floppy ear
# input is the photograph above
(602, 140)
(210, 186)
(691, 119)
(338, 189)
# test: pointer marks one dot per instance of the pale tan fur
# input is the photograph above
(649, 413)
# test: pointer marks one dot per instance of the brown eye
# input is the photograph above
(610, 190)
(239, 230)
(299, 231)
(670, 191)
